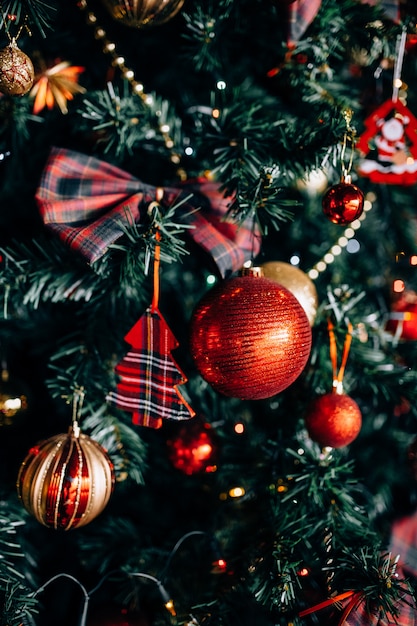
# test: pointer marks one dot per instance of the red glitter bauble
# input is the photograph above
(403, 318)
(194, 449)
(16, 71)
(66, 480)
(250, 337)
(334, 420)
(343, 203)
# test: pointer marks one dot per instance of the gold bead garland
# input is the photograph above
(109, 47)
(349, 232)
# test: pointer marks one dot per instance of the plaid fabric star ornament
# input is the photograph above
(149, 375)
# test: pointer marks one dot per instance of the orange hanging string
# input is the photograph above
(156, 263)
(329, 602)
(338, 376)
(157, 254)
(357, 598)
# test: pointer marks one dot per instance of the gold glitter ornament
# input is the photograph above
(66, 481)
(143, 13)
(16, 71)
(300, 285)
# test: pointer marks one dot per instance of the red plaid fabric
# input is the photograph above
(85, 200)
(302, 13)
(404, 542)
(391, 8)
(149, 376)
(361, 616)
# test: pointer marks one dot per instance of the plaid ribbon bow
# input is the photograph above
(86, 201)
(303, 12)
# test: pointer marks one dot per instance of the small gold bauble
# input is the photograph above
(296, 281)
(16, 71)
(143, 13)
(66, 480)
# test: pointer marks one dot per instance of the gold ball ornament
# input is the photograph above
(16, 71)
(66, 481)
(143, 13)
(296, 281)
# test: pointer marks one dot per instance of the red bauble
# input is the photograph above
(66, 480)
(194, 449)
(403, 318)
(343, 203)
(250, 337)
(334, 420)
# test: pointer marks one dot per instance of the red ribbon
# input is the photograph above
(88, 202)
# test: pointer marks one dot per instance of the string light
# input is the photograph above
(109, 47)
(236, 492)
(219, 565)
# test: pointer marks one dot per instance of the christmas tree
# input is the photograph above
(208, 312)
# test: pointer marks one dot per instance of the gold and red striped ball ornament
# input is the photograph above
(66, 481)
(250, 338)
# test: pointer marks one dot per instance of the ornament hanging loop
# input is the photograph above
(399, 59)
(156, 264)
(338, 375)
(153, 211)
(348, 137)
(77, 405)
(154, 216)
(7, 20)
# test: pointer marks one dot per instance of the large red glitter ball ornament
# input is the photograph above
(403, 318)
(66, 480)
(16, 71)
(194, 449)
(343, 203)
(250, 337)
(334, 420)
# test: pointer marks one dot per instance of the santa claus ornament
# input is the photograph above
(388, 147)
(334, 419)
